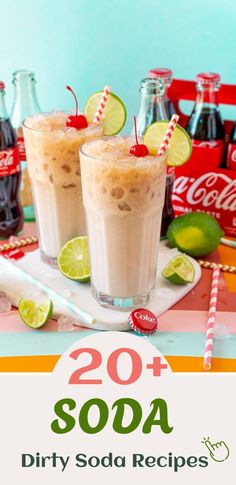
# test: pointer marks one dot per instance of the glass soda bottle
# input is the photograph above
(152, 108)
(205, 125)
(231, 152)
(166, 75)
(11, 215)
(25, 104)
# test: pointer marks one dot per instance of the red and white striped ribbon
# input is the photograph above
(102, 104)
(168, 135)
(211, 319)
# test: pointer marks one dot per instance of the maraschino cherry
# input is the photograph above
(138, 150)
(77, 121)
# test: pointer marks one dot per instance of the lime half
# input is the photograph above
(180, 148)
(73, 260)
(35, 315)
(114, 115)
(179, 270)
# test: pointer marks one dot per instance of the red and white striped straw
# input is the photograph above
(168, 135)
(211, 319)
(102, 104)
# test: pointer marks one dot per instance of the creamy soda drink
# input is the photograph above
(52, 150)
(123, 197)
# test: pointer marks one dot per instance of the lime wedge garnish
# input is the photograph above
(180, 148)
(35, 315)
(179, 270)
(114, 115)
(73, 260)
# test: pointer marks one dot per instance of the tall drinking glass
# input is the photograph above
(54, 166)
(123, 198)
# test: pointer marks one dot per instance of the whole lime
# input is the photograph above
(195, 233)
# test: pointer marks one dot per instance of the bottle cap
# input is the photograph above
(143, 321)
(2, 85)
(208, 77)
(161, 72)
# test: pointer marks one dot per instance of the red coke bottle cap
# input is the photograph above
(161, 72)
(208, 77)
(143, 321)
(2, 85)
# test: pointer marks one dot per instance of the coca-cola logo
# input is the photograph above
(6, 158)
(9, 162)
(208, 190)
(143, 321)
(21, 147)
(233, 155)
(145, 316)
(207, 143)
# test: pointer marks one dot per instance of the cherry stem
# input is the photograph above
(76, 101)
(135, 130)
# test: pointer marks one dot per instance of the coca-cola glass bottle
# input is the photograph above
(231, 153)
(165, 75)
(25, 104)
(205, 125)
(152, 108)
(11, 215)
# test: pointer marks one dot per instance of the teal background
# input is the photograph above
(88, 43)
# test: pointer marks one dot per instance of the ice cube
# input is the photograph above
(221, 331)
(70, 129)
(42, 125)
(5, 305)
(65, 324)
(115, 141)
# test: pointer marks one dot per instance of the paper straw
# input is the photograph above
(102, 104)
(168, 135)
(18, 243)
(228, 242)
(53, 294)
(211, 319)
(223, 267)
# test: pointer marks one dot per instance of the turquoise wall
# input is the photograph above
(87, 43)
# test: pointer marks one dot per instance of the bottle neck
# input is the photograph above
(208, 98)
(25, 101)
(152, 108)
(3, 111)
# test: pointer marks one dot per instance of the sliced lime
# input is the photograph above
(179, 270)
(114, 115)
(35, 315)
(73, 260)
(180, 148)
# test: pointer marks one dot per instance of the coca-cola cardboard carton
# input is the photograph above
(231, 156)
(212, 191)
(201, 185)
